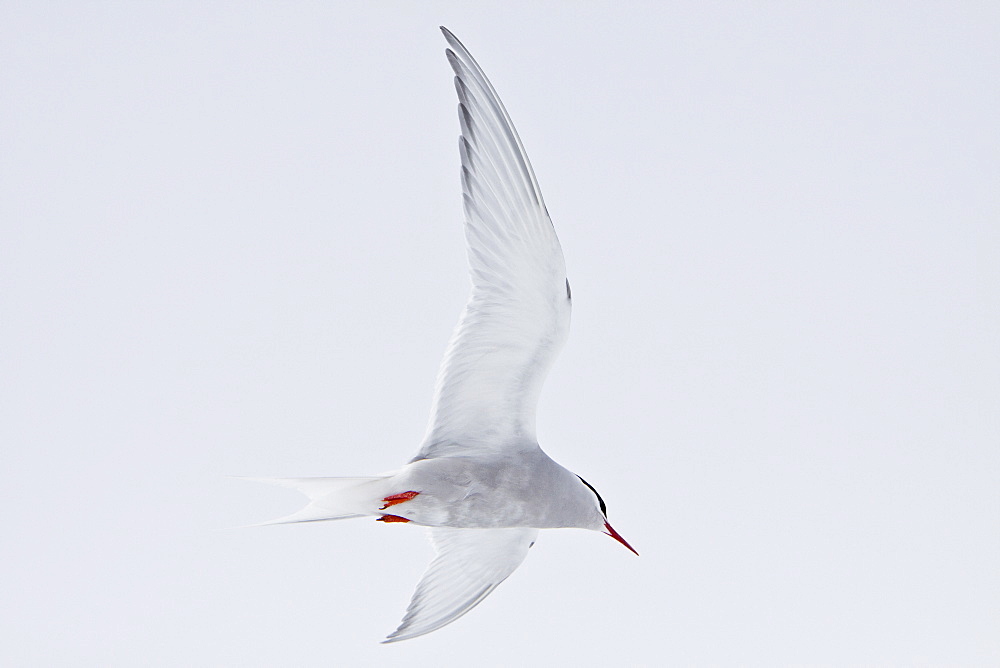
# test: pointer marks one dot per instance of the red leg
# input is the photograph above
(398, 498)
(391, 518)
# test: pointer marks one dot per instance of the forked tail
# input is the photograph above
(329, 498)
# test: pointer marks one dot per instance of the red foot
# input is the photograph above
(398, 498)
(391, 518)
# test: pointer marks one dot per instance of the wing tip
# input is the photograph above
(403, 632)
(450, 36)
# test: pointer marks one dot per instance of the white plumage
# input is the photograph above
(517, 318)
(480, 482)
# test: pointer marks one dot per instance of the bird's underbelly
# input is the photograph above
(477, 510)
(463, 494)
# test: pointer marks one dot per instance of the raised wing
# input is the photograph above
(470, 563)
(518, 316)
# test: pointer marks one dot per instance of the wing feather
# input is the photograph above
(517, 317)
(470, 563)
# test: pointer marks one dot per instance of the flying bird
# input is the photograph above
(480, 481)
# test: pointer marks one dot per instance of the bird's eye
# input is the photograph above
(600, 501)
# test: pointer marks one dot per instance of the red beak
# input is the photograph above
(614, 534)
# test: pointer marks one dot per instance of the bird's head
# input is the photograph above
(601, 520)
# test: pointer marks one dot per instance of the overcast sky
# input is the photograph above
(231, 245)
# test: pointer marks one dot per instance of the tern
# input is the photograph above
(480, 482)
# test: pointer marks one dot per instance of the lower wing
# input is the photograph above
(470, 563)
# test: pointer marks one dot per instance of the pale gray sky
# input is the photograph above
(230, 244)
